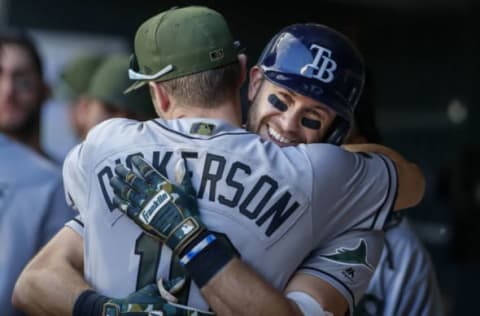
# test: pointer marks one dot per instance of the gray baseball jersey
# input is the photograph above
(32, 209)
(275, 204)
(404, 282)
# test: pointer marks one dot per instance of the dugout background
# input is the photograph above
(424, 59)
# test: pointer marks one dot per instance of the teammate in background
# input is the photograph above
(33, 209)
(22, 90)
(32, 200)
(404, 282)
(241, 164)
(72, 88)
(105, 98)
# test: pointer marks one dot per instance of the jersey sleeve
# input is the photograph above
(78, 162)
(74, 178)
(351, 190)
(347, 263)
(77, 225)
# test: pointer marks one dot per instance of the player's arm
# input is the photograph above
(52, 284)
(236, 289)
(321, 291)
(338, 273)
(331, 280)
(52, 281)
(411, 182)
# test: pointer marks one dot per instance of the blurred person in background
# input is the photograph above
(22, 90)
(32, 198)
(72, 87)
(32, 202)
(105, 97)
(404, 282)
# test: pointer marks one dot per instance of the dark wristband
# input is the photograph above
(207, 263)
(89, 303)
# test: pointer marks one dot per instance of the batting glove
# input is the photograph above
(147, 302)
(167, 211)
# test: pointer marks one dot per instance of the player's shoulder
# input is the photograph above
(325, 151)
(297, 162)
(109, 128)
(332, 158)
(109, 134)
(327, 156)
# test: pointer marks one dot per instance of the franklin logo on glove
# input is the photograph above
(154, 206)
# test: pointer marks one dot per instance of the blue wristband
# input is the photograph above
(206, 263)
(197, 249)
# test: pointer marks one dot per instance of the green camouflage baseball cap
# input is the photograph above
(75, 76)
(180, 42)
(109, 82)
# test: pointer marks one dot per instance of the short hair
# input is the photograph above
(22, 39)
(206, 89)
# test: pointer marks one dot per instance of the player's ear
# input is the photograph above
(242, 59)
(256, 79)
(160, 97)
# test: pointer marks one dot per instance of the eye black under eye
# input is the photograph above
(276, 102)
(309, 123)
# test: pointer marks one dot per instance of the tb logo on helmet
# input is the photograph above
(322, 66)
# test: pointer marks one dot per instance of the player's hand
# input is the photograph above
(147, 302)
(163, 209)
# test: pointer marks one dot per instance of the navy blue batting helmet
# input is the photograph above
(318, 62)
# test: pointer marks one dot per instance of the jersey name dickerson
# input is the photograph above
(265, 202)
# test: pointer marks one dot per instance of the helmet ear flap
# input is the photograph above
(337, 131)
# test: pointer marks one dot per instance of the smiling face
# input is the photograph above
(283, 116)
(21, 90)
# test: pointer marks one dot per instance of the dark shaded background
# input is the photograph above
(424, 59)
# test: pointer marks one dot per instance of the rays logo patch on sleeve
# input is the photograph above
(202, 128)
(355, 256)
